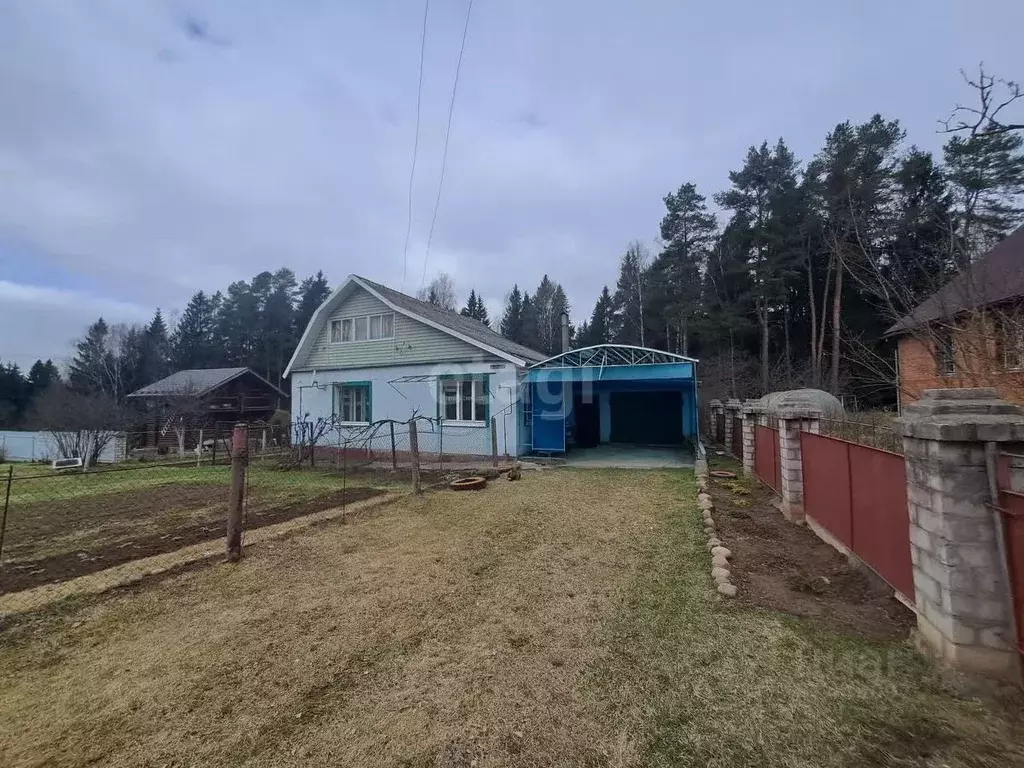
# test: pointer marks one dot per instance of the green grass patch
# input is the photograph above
(698, 680)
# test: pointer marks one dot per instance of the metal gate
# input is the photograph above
(1011, 503)
(767, 463)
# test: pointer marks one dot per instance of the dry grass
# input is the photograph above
(567, 619)
(454, 625)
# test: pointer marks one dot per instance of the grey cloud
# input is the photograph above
(147, 162)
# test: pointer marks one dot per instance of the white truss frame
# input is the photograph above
(610, 356)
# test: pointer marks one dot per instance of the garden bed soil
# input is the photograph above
(779, 565)
(118, 548)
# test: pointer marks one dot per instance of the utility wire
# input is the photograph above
(447, 135)
(416, 139)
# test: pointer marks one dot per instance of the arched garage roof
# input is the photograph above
(613, 361)
(605, 355)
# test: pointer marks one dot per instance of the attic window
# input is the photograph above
(363, 328)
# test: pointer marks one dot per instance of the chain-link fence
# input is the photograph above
(63, 524)
(72, 529)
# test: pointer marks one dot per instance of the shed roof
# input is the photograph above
(196, 382)
(996, 277)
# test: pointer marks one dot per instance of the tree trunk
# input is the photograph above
(762, 316)
(732, 364)
(815, 373)
(837, 303)
(789, 356)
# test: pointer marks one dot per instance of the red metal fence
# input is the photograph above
(737, 438)
(859, 495)
(767, 463)
(1012, 504)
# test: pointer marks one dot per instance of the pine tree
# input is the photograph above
(528, 330)
(313, 291)
(41, 376)
(154, 354)
(628, 321)
(599, 329)
(475, 309)
(192, 343)
(14, 394)
(688, 231)
(511, 325)
(87, 373)
(278, 324)
(238, 324)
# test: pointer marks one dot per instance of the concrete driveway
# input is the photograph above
(614, 455)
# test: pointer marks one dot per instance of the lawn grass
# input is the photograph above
(702, 681)
(566, 619)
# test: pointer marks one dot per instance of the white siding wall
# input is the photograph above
(414, 342)
(400, 401)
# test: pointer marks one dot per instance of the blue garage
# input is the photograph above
(608, 394)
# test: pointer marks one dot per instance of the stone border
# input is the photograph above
(719, 554)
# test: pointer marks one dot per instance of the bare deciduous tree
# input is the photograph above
(81, 425)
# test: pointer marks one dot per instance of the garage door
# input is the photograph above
(651, 418)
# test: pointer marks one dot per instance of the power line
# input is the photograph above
(447, 135)
(416, 139)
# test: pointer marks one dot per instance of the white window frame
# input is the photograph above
(479, 400)
(345, 330)
(365, 389)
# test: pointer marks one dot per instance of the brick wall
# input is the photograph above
(977, 366)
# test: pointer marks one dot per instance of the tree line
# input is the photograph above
(796, 277)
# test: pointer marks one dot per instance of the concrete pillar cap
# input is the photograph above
(732, 404)
(716, 403)
(967, 415)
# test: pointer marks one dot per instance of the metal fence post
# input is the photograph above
(7, 502)
(494, 441)
(440, 445)
(414, 449)
(239, 459)
(394, 453)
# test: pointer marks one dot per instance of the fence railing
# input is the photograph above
(873, 429)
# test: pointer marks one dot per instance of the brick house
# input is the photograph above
(969, 333)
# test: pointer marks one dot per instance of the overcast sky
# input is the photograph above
(150, 149)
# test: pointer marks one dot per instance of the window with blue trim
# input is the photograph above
(352, 402)
(463, 398)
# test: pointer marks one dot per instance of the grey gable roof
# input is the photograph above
(997, 276)
(196, 382)
(467, 326)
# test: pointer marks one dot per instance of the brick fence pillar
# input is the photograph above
(715, 406)
(751, 412)
(792, 421)
(732, 409)
(962, 596)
